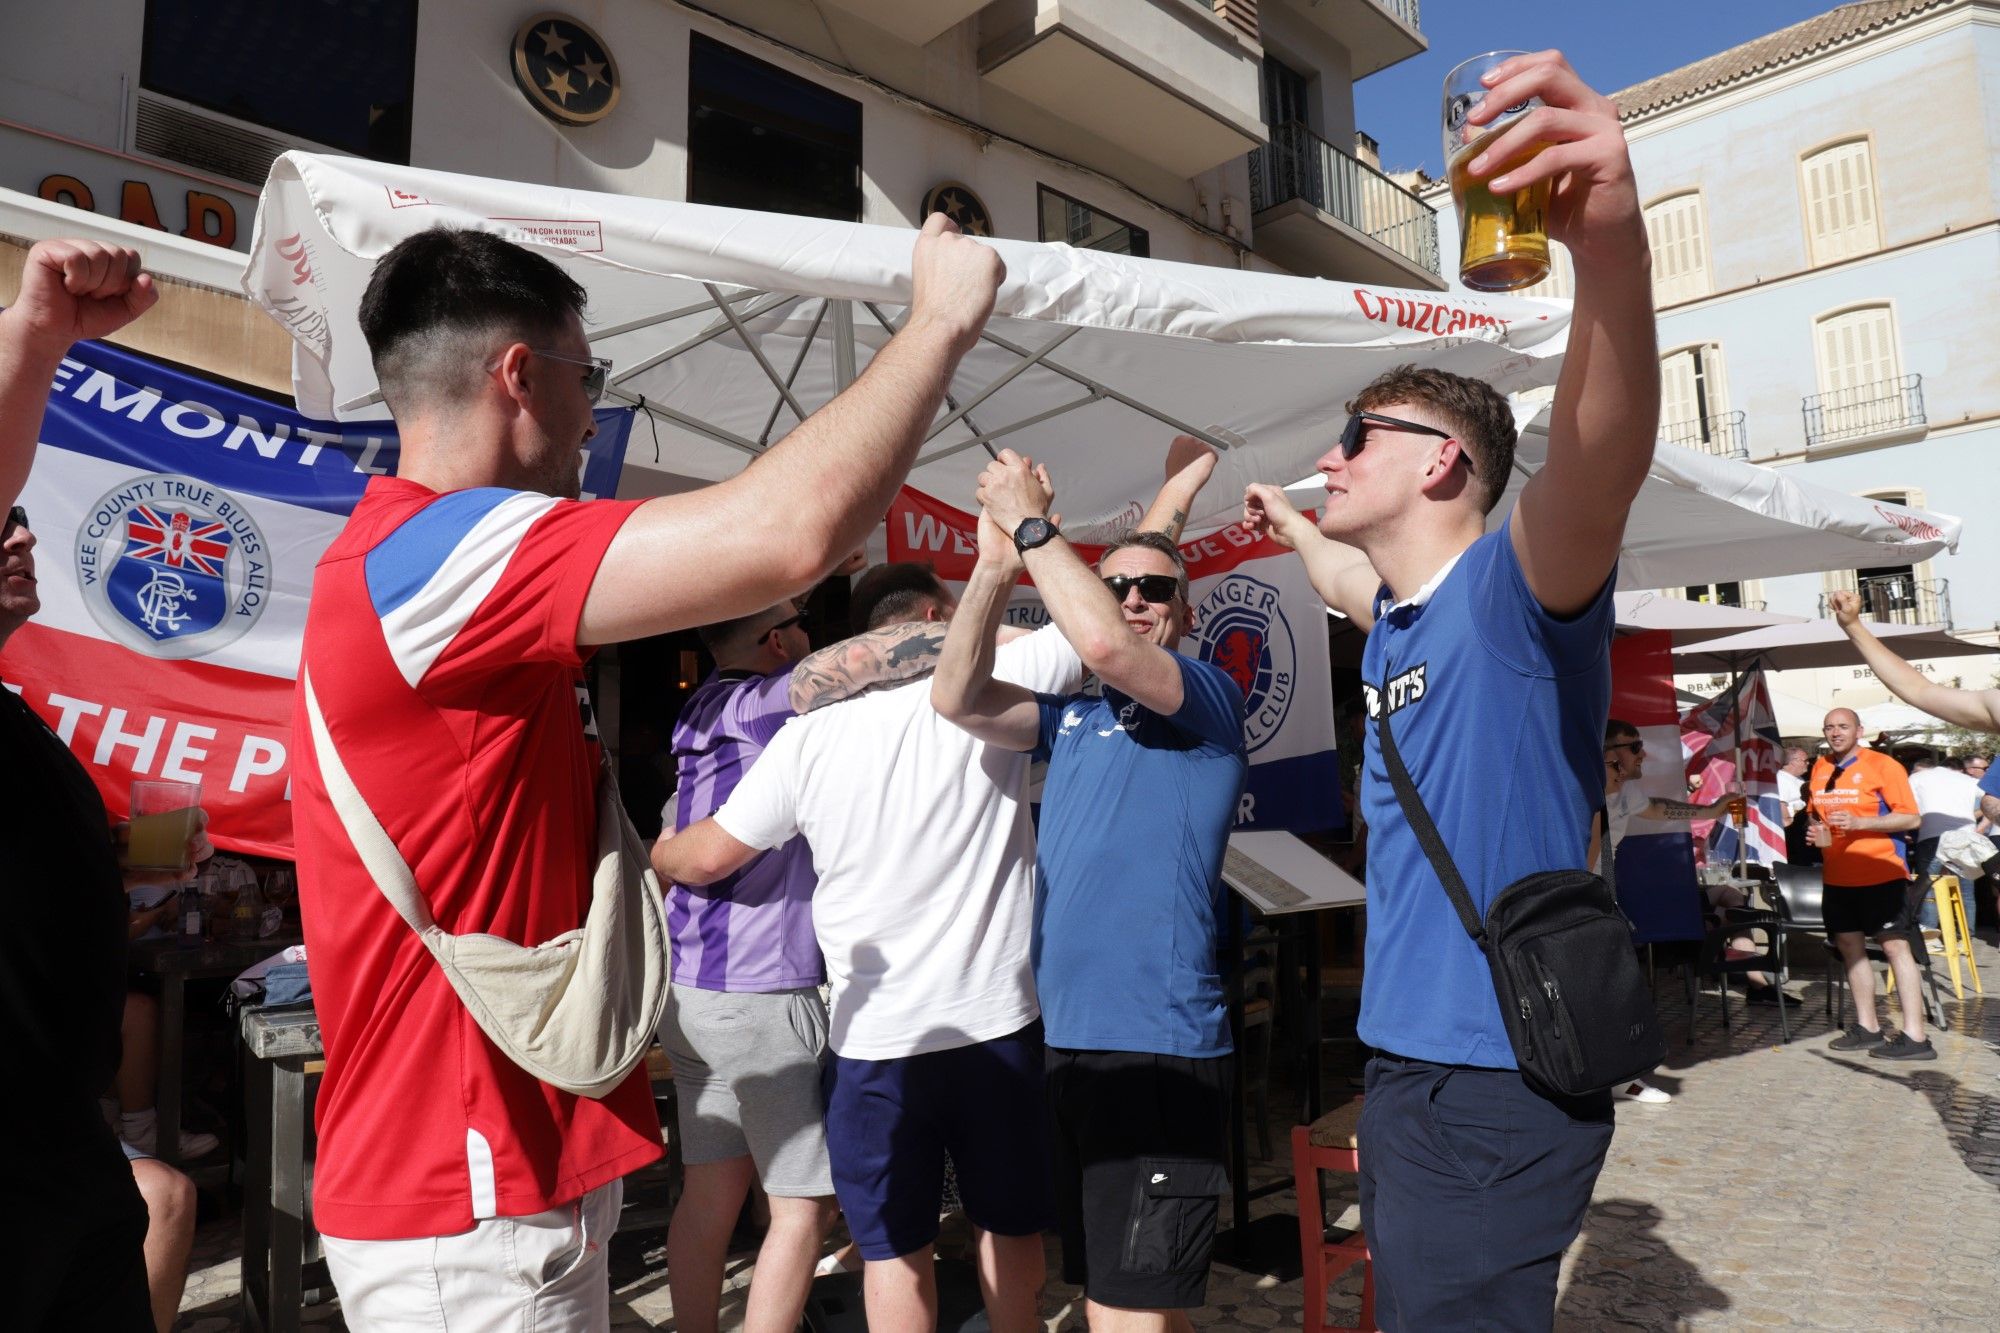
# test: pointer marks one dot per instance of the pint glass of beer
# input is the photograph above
(163, 821)
(1739, 809)
(1503, 238)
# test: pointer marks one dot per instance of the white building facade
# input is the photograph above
(1824, 211)
(1135, 125)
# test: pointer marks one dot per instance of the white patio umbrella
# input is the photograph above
(1817, 643)
(730, 327)
(1691, 622)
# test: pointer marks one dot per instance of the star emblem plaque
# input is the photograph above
(564, 70)
(961, 205)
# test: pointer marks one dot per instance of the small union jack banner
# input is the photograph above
(175, 540)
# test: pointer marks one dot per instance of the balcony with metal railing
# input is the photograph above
(1722, 434)
(1376, 33)
(1886, 407)
(1901, 599)
(1326, 212)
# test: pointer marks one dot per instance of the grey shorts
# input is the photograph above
(746, 1071)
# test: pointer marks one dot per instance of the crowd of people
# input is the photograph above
(1038, 1005)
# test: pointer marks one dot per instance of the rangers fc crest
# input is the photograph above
(172, 566)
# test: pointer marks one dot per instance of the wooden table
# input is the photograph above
(281, 1049)
(175, 964)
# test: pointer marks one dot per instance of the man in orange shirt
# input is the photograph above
(1861, 808)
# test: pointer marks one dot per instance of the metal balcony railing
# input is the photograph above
(1864, 410)
(1722, 435)
(1405, 10)
(1299, 164)
(1900, 599)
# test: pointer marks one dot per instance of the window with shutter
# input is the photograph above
(1680, 249)
(1841, 218)
(1859, 373)
(1694, 400)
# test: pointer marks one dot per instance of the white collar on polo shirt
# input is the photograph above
(1425, 593)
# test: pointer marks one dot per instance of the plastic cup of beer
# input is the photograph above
(1739, 809)
(1503, 236)
(162, 824)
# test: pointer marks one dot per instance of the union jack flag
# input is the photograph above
(177, 541)
(1709, 734)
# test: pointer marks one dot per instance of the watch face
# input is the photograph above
(1033, 532)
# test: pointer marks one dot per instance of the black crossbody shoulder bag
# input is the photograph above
(1578, 1011)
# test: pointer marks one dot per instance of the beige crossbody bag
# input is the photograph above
(576, 1011)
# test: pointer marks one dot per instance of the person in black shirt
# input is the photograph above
(68, 1192)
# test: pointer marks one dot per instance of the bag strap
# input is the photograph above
(384, 864)
(1419, 820)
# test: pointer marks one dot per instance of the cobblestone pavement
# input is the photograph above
(1784, 1186)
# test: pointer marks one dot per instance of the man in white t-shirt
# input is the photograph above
(1947, 799)
(925, 855)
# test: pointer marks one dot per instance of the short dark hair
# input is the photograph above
(1145, 539)
(439, 300)
(1477, 413)
(1953, 762)
(889, 594)
(1617, 727)
(727, 633)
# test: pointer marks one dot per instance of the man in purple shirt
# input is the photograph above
(745, 1026)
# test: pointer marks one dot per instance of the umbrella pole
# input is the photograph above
(843, 344)
(1742, 829)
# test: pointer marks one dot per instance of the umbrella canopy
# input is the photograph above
(1691, 622)
(1817, 643)
(730, 327)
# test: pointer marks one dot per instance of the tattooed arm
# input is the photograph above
(887, 656)
(1189, 464)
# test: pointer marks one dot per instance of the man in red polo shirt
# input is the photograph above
(445, 639)
(1862, 811)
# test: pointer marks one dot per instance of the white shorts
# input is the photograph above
(544, 1273)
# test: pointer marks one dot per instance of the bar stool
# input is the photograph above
(1954, 934)
(1330, 1143)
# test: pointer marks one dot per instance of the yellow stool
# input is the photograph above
(1953, 932)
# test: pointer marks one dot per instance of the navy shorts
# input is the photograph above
(1472, 1186)
(889, 1124)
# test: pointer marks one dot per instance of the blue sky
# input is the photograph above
(1612, 43)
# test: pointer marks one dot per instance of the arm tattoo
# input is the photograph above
(1682, 810)
(887, 656)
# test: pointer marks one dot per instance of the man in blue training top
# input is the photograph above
(1142, 786)
(1489, 657)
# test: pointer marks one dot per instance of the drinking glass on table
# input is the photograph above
(162, 825)
(1503, 238)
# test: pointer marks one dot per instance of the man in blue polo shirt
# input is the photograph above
(1142, 786)
(1489, 659)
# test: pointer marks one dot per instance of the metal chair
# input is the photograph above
(1716, 962)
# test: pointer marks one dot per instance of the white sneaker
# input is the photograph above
(193, 1143)
(1639, 1090)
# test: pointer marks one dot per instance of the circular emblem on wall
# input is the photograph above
(171, 566)
(1243, 630)
(565, 70)
(961, 205)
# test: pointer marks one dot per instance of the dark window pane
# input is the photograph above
(338, 72)
(759, 137)
(1065, 219)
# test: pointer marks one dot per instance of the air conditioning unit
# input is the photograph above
(207, 141)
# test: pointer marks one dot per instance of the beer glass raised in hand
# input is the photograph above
(162, 824)
(1503, 237)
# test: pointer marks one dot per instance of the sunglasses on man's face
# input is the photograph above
(1159, 588)
(17, 517)
(800, 620)
(597, 371)
(1636, 747)
(1354, 435)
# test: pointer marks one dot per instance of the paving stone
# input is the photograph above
(1727, 1208)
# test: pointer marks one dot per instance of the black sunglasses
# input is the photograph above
(801, 619)
(17, 517)
(1636, 747)
(1354, 435)
(1160, 588)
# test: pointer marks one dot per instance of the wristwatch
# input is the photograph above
(1033, 532)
